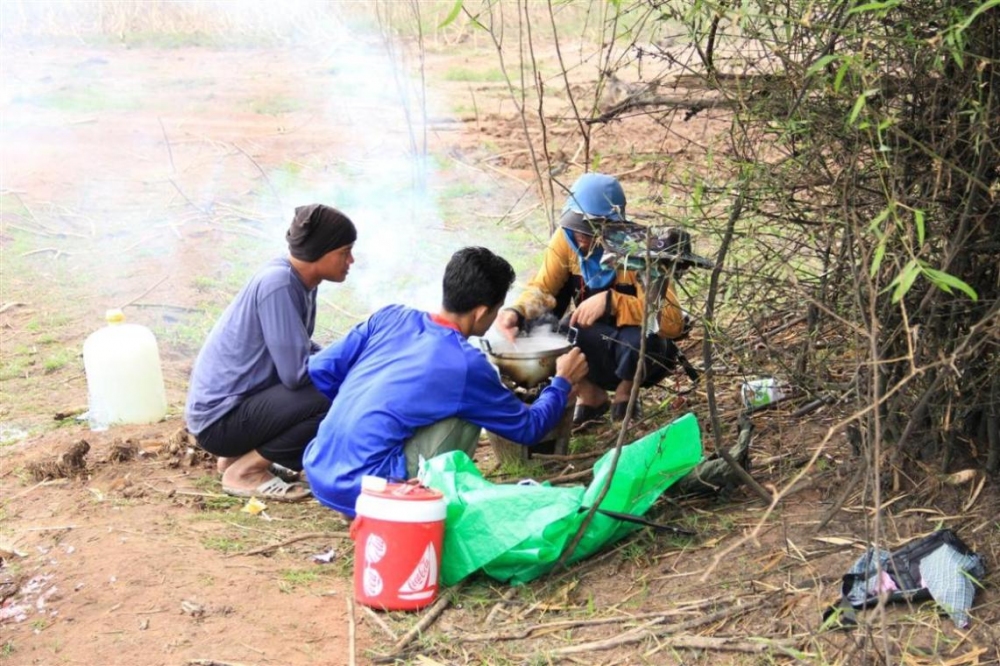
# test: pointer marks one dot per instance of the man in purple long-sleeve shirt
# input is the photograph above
(250, 400)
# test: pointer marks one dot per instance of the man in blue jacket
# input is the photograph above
(407, 385)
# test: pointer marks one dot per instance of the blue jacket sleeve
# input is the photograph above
(328, 368)
(285, 337)
(491, 405)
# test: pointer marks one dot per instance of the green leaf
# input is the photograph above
(879, 219)
(905, 280)
(859, 104)
(838, 80)
(819, 64)
(453, 14)
(979, 10)
(879, 255)
(918, 219)
(956, 55)
(946, 282)
(874, 6)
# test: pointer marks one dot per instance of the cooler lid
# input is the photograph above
(411, 490)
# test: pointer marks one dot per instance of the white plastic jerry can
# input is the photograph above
(124, 377)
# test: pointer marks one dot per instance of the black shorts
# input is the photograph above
(613, 355)
(277, 422)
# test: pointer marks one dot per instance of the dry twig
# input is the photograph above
(498, 606)
(351, 660)
(301, 537)
(642, 632)
(381, 623)
(426, 621)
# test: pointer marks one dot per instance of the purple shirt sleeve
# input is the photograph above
(286, 338)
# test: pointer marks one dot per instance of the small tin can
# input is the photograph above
(759, 393)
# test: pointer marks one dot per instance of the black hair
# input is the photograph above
(475, 276)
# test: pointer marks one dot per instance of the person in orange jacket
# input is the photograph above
(609, 303)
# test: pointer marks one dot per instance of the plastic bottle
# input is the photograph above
(759, 393)
(124, 378)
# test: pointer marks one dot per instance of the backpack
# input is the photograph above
(938, 566)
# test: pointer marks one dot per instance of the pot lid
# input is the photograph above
(537, 345)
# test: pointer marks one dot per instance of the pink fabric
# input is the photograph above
(886, 583)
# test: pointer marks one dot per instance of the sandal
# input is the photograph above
(586, 415)
(618, 410)
(273, 489)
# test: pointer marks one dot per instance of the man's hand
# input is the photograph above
(590, 310)
(506, 324)
(572, 366)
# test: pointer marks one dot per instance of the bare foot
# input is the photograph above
(246, 472)
(222, 463)
(590, 394)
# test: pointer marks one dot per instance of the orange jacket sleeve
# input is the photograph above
(558, 264)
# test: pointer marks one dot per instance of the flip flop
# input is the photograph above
(618, 410)
(273, 489)
(586, 416)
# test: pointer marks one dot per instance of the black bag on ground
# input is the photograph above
(938, 566)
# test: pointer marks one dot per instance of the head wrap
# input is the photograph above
(317, 229)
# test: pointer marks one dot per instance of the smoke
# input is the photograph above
(181, 136)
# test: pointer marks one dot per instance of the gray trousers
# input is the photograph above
(452, 434)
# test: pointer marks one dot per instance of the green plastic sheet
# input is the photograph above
(515, 533)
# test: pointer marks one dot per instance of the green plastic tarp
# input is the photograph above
(516, 533)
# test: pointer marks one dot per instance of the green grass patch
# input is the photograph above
(458, 190)
(287, 176)
(223, 544)
(187, 336)
(206, 483)
(493, 74)
(49, 322)
(86, 99)
(11, 204)
(204, 283)
(58, 360)
(14, 367)
(519, 469)
(296, 578)
(172, 40)
(586, 443)
(274, 105)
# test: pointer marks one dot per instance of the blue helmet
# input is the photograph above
(594, 196)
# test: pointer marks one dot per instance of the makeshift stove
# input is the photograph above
(526, 369)
(556, 441)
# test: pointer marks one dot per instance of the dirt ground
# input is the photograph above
(158, 179)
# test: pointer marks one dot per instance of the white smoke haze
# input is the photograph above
(191, 158)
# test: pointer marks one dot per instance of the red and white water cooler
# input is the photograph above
(398, 532)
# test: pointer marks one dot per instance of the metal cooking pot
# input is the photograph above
(531, 360)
